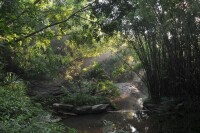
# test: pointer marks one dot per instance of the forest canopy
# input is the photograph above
(64, 30)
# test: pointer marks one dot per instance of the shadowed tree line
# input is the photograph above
(165, 36)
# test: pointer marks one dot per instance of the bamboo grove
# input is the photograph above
(165, 36)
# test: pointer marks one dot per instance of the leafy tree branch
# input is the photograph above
(51, 25)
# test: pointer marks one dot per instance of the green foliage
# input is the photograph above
(84, 92)
(46, 100)
(122, 64)
(96, 73)
(11, 78)
(39, 62)
(165, 36)
(19, 114)
(84, 99)
(118, 71)
(33, 29)
(90, 87)
(41, 38)
(107, 88)
(98, 83)
(72, 130)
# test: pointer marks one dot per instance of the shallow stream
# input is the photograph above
(129, 118)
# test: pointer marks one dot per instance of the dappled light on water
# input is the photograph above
(133, 130)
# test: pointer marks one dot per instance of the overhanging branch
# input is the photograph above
(51, 25)
(84, 18)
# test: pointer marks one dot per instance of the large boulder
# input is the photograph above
(100, 108)
(83, 110)
(61, 106)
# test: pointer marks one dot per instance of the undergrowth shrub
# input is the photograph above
(19, 114)
(90, 92)
(39, 62)
(107, 88)
(95, 73)
(122, 65)
(84, 99)
(94, 81)
(92, 86)
(46, 100)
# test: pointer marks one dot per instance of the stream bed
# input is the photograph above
(129, 118)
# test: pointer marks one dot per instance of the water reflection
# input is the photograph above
(125, 121)
(133, 129)
(128, 119)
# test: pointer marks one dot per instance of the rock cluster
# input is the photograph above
(67, 109)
